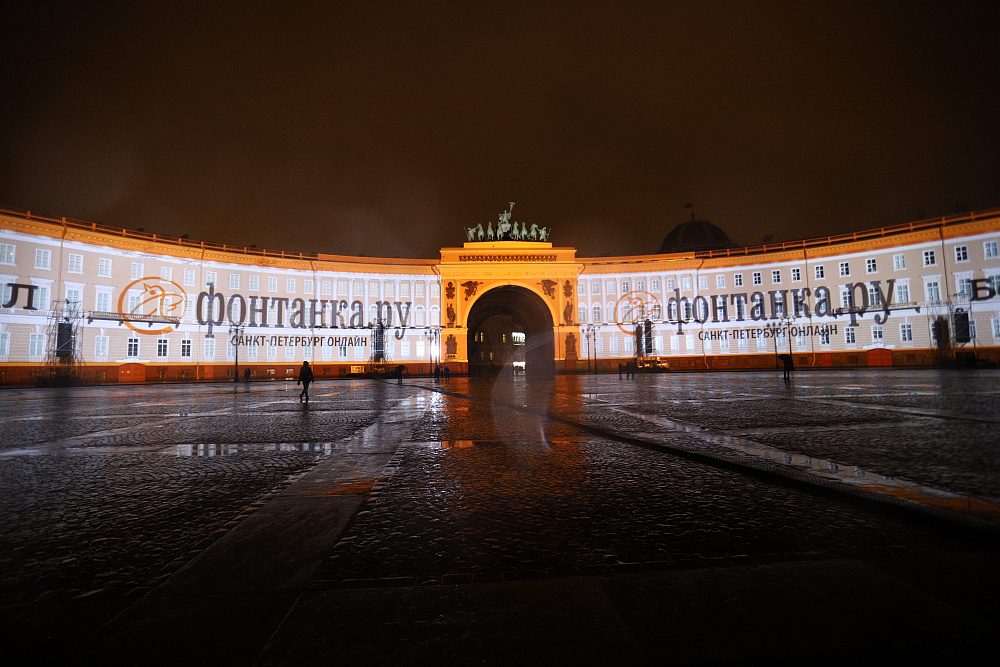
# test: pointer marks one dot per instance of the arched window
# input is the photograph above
(418, 316)
(435, 315)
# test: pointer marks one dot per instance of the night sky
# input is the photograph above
(381, 128)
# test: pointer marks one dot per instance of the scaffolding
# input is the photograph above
(64, 364)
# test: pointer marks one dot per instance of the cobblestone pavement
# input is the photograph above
(486, 491)
(934, 428)
(107, 490)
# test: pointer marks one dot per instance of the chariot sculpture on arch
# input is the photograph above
(507, 230)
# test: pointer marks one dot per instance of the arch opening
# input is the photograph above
(511, 328)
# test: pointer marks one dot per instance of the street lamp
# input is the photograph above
(591, 333)
(432, 334)
(235, 331)
(783, 325)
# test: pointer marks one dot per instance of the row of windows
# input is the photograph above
(932, 293)
(929, 257)
(43, 260)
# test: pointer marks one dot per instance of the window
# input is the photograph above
(582, 314)
(625, 287)
(702, 282)
(932, 290)
(137, 270)
(373, 288)
(290, 284)
(581, 288)
(254, 283)
(824, 336)
(104, 267)
(189, 276)
(7, 253)
(845, 269)
(796, 275)
(186, 347)
(846, 298)
(597, 313)
(101, 346)
(902, 293)
(167, 273)
(877, 334)
(211, 278)
(74, 299)
(800, 338)
(4, 343)
(41, 298)
(738, 280)
(132, 350)
(964, 288)
(161, 348)
(874, 296)
(595, 286)
(419, 288)
(654, 284)
(272, 284)
(671, 284)
(234, 281)
(996, 327)
(871, 266)
(43, 259)
(720, 281)
(307, 286)
(961, 253)
(327, 287)
(776, 276)
(75, 263)
(272, 352)
(209, 348)
(36, 345)
(819, 272)
(686, 283)
(906, 333)
(289, 353)
(899, 262)
(929, 258)
(989, 250)
(103, 303)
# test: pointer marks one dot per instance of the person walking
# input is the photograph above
(305, 377)
(447, 373)
(246, 375)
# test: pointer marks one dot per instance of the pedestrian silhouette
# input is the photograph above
(447, 373)
(246, 375)
(305, 377)
(789, 365)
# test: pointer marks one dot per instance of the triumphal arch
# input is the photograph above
(510, 302)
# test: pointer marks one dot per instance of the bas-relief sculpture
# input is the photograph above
(507, 230)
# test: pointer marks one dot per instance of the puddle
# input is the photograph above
(211, 449)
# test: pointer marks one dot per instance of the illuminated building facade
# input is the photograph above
(117, 305)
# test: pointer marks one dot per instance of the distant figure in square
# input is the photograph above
(621, 367)
(447, 373)
(437, 373)
(789, 365)
(246, 375)
(305, 377)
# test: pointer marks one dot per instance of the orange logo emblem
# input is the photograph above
(159, 308)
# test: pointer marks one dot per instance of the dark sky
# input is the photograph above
(382, 128)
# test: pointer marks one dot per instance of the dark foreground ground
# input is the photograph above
(846, 517)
